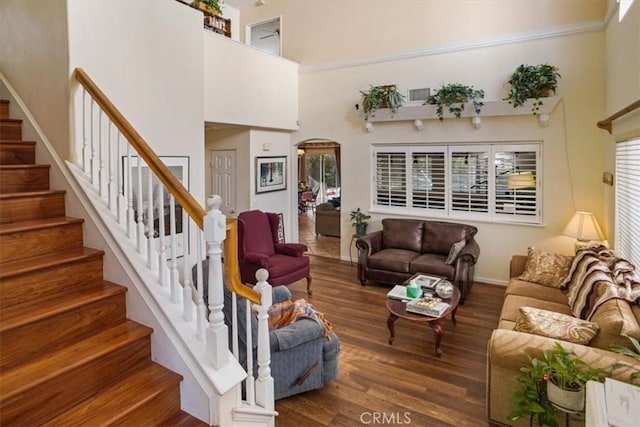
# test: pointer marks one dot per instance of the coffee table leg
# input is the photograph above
(437, 333)
(453, 315)
(390, 321)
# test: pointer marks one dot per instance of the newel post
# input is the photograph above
(264, 384)
(217, 339)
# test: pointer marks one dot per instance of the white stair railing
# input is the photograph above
(161, 223)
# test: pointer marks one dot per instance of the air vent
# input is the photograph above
(418, 95)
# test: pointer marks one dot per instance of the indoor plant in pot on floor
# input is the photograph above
(557, 381)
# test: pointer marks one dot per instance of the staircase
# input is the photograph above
(68, 354)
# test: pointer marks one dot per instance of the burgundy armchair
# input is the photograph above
(259, 246)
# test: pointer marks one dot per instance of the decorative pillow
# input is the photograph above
(556, 325)
(546, 268)
(455, 250)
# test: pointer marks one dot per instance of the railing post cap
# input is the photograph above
(214, 202)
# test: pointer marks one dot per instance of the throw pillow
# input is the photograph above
(455, 250)
(556, 325)
(546, 268)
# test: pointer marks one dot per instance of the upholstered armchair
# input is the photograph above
(259, 246)
(302, 359)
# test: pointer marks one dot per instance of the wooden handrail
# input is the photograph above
(231, 267)
(173, 184)
(606, 123)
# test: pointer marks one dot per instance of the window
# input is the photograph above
(627, 201)
(497, 182)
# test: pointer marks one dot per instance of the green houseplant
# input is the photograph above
(532, 81)
(635, 353)
(211, 6)
(381, 97)
(558, 368)
(453, 96)
(359, 221)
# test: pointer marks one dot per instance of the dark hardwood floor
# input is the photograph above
(399, 384)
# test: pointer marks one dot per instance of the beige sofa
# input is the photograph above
(507, 348)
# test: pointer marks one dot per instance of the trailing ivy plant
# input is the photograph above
(213, 5)
(532, 81)
(381, 97)
(453, 96)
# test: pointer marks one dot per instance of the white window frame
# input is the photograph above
(448, 213)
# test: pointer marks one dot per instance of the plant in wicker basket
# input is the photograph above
(381, 97)
(532, 81)
(453, 96)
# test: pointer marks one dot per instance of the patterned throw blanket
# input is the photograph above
(284, 313)
(596, 276)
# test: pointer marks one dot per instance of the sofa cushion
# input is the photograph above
(546, 268)
(533, 290)
(402, 234)
(512, 304)
(439, 236)
(615, 318)
(432, 264)
(555, 325)
(392, 259)
(455, 250)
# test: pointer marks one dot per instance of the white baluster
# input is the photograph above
(110, 179)
(162, 252)
(121, 188)
(200, 308)
(101, 173)
(86, 155)
(128, 188)
(152, 256)
(140, 211)
(264, 385)
(250, 381)
(234, 335)
(217, 343)
(175, 288)
(94, 154)
(187, 299)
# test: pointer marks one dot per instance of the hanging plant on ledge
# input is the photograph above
(381, 97)
(532, 81)
(454, 96)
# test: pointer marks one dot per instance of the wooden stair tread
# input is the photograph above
(10, 120)
(16, 142)
(21, 266)
(26, 166)
(30, 194)
(119, 399)
(38, 309)
(37, 224)
(16, 381)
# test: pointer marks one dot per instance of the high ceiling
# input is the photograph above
(242, 4)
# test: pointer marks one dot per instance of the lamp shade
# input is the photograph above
(518, 180)
(583, 226)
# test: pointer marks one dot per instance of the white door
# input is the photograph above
(223, 176)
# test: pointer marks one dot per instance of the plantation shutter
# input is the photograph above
(391, 178)
(627, 203)
(469, 181)
(428, 180)
(516, 182)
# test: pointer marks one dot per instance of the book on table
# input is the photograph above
(399, 292)
(428, 306)
(425, 281)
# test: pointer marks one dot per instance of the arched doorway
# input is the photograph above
(319, 198)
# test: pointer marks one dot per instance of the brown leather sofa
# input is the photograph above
(407, 246)
(327, 220)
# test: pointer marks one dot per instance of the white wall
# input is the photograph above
(571, 143)
(33, 57)
(245, 86)
(151, 71)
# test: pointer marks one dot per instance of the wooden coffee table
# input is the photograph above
(397, 310)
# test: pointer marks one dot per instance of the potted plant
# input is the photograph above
(453, 96)
(532, 81)
(359, 221)
(212, 7)
(381, 97)
(635, 353)
(556, 381)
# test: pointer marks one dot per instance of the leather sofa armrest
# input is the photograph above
(470, 253)
(370, 243)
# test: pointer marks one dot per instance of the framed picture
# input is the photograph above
(179, 166)
(271, 174)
